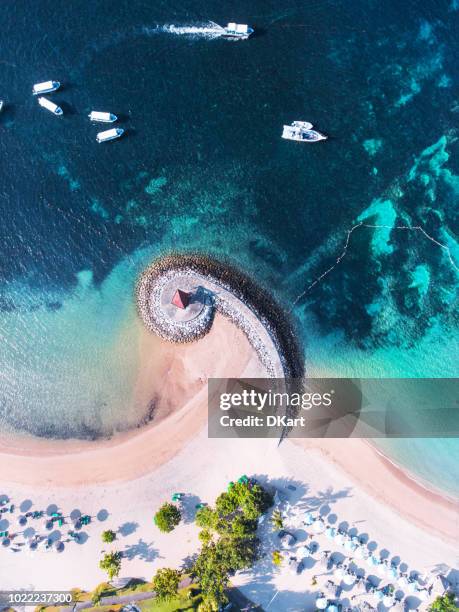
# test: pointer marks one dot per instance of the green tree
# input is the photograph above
(250, 499)
(108, 536)
(111, 563)
(276, 521)
(444, 603)
(96, 595)
(277, 557)
(227, 503)
(206, 518)
(205, 536)
(237, 553)
(166, 583)
(211, 573)
(229, 539)
(167, 517)
(255, 501)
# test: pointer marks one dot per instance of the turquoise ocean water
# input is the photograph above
(202, 166)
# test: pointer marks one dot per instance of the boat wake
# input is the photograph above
(204, 30)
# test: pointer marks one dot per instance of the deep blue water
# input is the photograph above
(202, 166)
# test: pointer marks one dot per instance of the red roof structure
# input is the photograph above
(181, 299)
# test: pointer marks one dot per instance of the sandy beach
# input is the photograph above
(122, 481)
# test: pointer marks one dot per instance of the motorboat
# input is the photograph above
(109, 134)
(45, 87)
(239, 31)
(302, 131)
(102, 117)
(53, 108)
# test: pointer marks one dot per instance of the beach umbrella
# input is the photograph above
(360, 586)
(21, 520)
(379, 595)
(339, 573)
(308, 518)
(339, 539)
(59, 546)
(321, 603)
(331, 608)
(330, 532)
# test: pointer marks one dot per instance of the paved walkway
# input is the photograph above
(131, 598)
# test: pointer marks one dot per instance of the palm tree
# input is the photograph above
(276, 521)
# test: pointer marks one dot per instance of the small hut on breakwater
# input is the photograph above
(178, 295)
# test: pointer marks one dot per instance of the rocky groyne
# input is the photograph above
(218, 287)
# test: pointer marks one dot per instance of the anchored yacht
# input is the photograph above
(54, 108)
(237, 30)
(109, 134)
(45, 87)
(102, 117)
(302, 131)
(1, 105)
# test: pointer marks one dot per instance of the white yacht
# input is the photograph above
(45, 87)
(54, 108)
(237, 30)
(109, 134)
(1, 105)
(302, 131)
(102, 117)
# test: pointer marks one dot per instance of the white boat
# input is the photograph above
(302, 131)
(54, 108)
(1, 105)
(45, 87)
(109, 134)
(237, 30)
(102, 117)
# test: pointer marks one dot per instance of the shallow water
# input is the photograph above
(202, 166)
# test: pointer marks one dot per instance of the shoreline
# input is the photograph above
(172, 378)
(183, 371)
(390, 484)
(140, 454)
